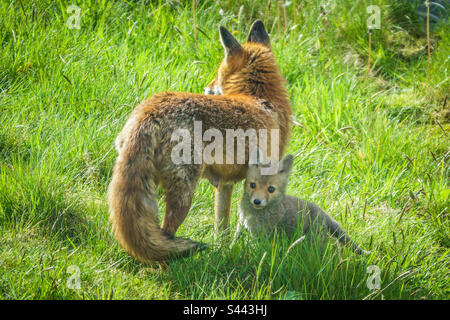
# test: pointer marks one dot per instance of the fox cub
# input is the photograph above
(265, 206)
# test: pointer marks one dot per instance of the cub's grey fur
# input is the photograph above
(262, 211)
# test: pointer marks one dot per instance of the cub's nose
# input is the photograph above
(257, 201)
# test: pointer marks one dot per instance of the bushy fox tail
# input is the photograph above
(134, 211)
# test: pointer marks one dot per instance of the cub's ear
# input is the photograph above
(254, 162)
(285, 166)
(229, 43)
(258, 33)
(253, 171)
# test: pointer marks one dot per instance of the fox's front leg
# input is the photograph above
(222, 207)
(239, 229)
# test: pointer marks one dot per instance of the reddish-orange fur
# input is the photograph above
(253, 96)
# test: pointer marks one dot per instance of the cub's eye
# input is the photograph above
(252, 185)
(271, 189)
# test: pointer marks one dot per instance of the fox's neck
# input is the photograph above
(265, 83)
(261, 79)
(270, 88)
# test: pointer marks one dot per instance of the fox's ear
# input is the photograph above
(229, 43)
(258, 33)
(285, 166)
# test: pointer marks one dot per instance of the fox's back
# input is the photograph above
(220, 112)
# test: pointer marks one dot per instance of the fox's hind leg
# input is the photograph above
(222, 207)
(178, 193)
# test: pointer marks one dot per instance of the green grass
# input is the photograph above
(373, 152)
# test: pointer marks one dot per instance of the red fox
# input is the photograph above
(248, 93)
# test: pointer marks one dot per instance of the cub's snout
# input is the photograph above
(258, 203)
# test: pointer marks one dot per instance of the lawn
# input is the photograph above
(371, 147)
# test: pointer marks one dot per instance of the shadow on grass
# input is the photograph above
(281, 268)
(13, 145)
(273, 268)
(33, 197)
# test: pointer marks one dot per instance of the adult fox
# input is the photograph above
(249, 94)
